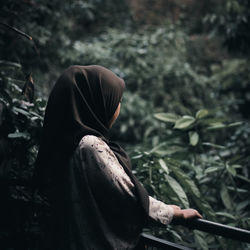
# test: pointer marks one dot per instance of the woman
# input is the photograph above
(97, 202)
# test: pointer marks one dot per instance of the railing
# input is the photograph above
(234, 233)
(148, 241)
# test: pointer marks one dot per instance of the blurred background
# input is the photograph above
(185, 118)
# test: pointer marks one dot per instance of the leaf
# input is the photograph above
(170, 150)
(176, 187)
(211, 170)
(231, 169)
(213, 145)
(235, 124)
(193, 138)
(200, 240)
(216, 125)
(184, 122)
(202, 113)
(19, 135)
(242, 205)
(36, 115)
(21, 111)
(163, 166)
(10, 64)
(137, 156)
(167, 117)
(212, 121)
(176, 235)
(184, 179)
(230, 216)
(225, 197)
(243, 178)
(204, 206)
(238, 190)
(189, 185)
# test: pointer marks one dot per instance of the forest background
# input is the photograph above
(185, 116)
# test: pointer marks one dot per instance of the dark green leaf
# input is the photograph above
(225, 197)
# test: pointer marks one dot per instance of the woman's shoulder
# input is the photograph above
(96, 147)
(92, 142)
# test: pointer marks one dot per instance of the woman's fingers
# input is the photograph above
(190, 213)
(185, 213)
(199, 215)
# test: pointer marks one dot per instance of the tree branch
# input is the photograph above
(16, 30)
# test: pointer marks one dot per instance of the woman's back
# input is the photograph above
(99, 209)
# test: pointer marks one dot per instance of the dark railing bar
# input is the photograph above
(151, 240)
(219, 229)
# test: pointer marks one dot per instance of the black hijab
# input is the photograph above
(82, 102)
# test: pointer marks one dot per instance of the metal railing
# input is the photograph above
(233, 233)
(151, 242)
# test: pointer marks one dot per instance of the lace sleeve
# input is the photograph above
(113, 173)
(160, 211)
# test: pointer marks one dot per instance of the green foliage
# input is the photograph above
(20, 127)
(186, 170)
(194, 154)
(21, 123)
(231, 19)
(153, 63)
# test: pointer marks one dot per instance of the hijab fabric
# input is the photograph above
(82, 102)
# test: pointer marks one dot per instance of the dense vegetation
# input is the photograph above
(185, 114)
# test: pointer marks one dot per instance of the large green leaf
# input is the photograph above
(178, 190)
(184, 122)
(167, 117)
(183, 178)
(188, 185)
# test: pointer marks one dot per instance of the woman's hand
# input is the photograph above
(181, 215)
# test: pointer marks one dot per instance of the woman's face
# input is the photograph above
(116, 114)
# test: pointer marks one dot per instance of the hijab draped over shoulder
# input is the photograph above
(82, 102)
